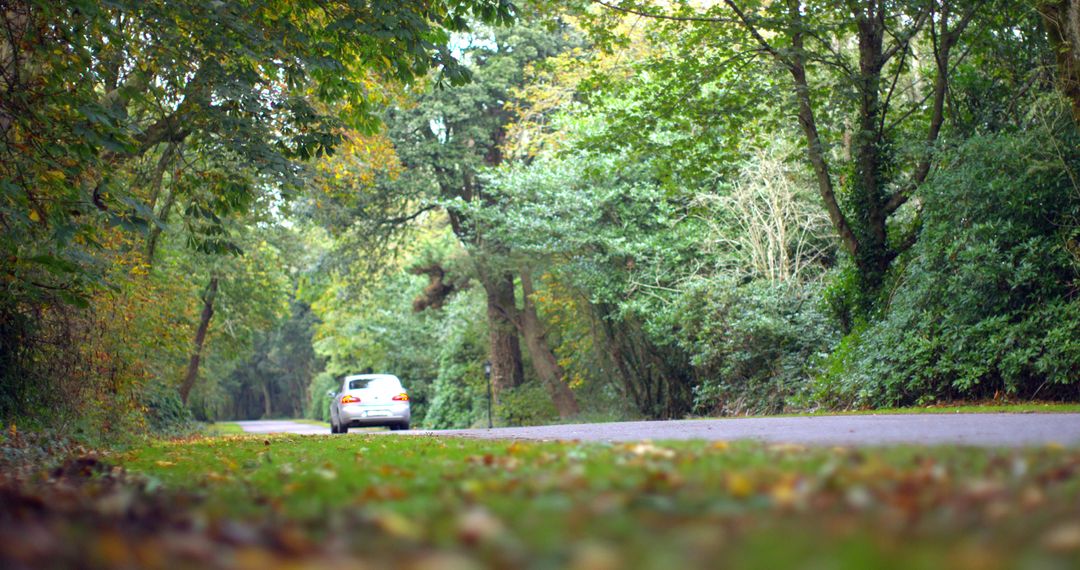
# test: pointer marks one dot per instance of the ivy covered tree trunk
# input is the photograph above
(507, 370)
(544, 360)
(200, 338)
(1062, 19)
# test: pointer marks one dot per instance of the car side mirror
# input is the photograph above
(330, 393)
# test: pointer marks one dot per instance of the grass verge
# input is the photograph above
(223, 428)
(977, 408)
(411, 499)
(947, 408)
(382, 500)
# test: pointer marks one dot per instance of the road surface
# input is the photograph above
(989, 430)
(282, 426)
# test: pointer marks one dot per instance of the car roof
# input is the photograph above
(351, 377)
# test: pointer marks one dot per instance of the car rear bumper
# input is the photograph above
(359, 414)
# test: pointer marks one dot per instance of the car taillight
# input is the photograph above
(350, 400)
(402, 397)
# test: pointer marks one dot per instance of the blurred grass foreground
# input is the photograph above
(430, 502)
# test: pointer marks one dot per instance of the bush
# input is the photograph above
(752, 346)
(986, 302)
(318, 402)
(165, 412)
(526, 405)
(460, 391)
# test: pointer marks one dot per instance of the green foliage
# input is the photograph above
(318, 407)
(275, 380)
(166, 414)
(753, 346)
(526, 405)
(986, 303)
(124, 122)
(459, 393)
(382, 501)
(697, 299)
(650, 174)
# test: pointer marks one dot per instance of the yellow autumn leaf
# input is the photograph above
(739, 485)
(397, 525)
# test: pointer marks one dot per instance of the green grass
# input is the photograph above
(957, 408)
(1019, 408)
(223, 428)
(558, 504)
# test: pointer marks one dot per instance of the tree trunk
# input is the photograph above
(1062, 20)
(156, 226)
(658, 389)
(544, 361)
(507, 370)
(266, 400)
(815, 147)
(13, 57)
(874, 255)
(200, 338)
(162, 217)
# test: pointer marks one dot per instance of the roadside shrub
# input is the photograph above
(753, 346)
(165, 412)
(460, 396)
(526, 405)
(987, 301)
(460, 391)
(318, 402)
(67, 370)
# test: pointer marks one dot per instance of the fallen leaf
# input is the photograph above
(596, 556)
(478, 525)
(1064, 538)
(739, 485)
(398, 525)
(646, 449)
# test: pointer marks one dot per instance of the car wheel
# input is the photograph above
(396, 427)
(333, 426)
(343, 429)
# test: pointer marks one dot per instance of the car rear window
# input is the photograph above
(363, 383)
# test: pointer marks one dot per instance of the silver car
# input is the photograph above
(369, 400)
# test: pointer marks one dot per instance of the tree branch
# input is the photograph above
(407, 218)
(635, 12)
(750, 27)
(814, 147)
(943, 44)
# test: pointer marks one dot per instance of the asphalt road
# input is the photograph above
(282, 426)
(989, 430)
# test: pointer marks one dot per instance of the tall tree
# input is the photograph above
(192, 374)
(445, 139)
(870, 148)
(90, 87)
(130, 115)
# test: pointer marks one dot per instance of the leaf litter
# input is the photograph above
(425, 502)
